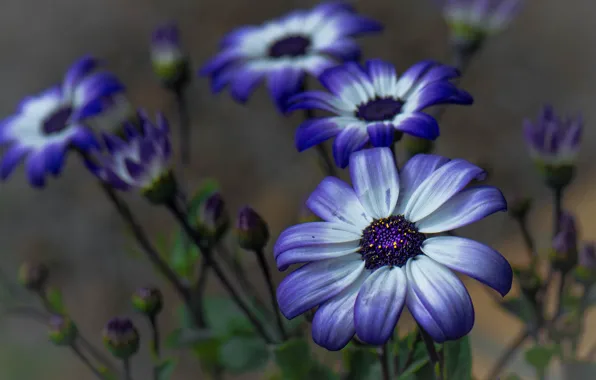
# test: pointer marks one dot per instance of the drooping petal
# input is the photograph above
(350, 140)
(244, 83)
(472, 259)
(438, 300)
(11, 159)
(335, 201)
(379, 305)
(283, 84)
(417, 124)
(439, 187)
(315, 131)
(467, 207)
(375, 179)
(54, 158)
(381, 134)
(317, 282)
(35, 168)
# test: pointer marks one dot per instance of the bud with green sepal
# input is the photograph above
(62, 330)
(121, 338)
(170, 62)
(252, 231)
(33, 276)
(148, 301)
(564, 252)
(212, 217)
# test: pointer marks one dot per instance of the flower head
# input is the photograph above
(372, 104)
(372, 255)
(251, 229)
(121, 337)
(62, 330)
(46, 125)
(169, 60)
(213, 218)
(148, 301)
(141, 161)
(284, 50)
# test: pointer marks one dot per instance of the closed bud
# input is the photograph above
(62, 330)
(564, 246)
(170, 63)
(252, 231)
(33, 276)
(121, 338)
(148, 301)
(213, 219)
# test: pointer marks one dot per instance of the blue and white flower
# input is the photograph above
(48, 124)
(372, 255)
(284, 50)
(373, 104)
(478, 18)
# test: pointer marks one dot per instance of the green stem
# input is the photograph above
(387, 362)
(433, 355)
(126, 367)
(239, 272)
(410, 357)
(184, 116)
(528, 240)
(86, 361)
(155, 339)
(271, 287)
(508, 354)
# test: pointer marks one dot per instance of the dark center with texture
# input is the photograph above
(390, 241)
(379, 109)
(57, 121)
(292, 46)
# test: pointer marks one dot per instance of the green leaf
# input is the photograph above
(184, 255)
(208, 353)
(513, 376)
(521, 308)
(578, 370)
(165, 369)
(293, 325)
(293, 359)
(320, 372)
(243, 354)
(539, 357)
(362, 364)
(208, 187)
(458, 359)
(225, 318)
(406, 345)
(55, 301)
(187, 337)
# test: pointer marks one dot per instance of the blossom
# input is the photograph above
(285, 49)
(371, 255)
(372, 104)
(169, 60)
(46, 125)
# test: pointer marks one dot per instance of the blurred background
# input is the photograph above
(547, 55)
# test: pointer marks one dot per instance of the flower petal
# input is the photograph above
(344, 49)
(439, 187)
(283, 84)
(319, 100)
(411, 76)
(55, 155)
(417, 124)
(335, 201)
(317, 282)
(349, 83)
(350, 140)
(35, 168)
(307, 254)
(438, 300)
(11, 159)
(383, 76)
(473, 259)
(315, 131)
(375, 179)
(379, 305)
(435, 94)
(77, 72)
(381, 134)
(467, 207)
(244, 83)
(221, 61)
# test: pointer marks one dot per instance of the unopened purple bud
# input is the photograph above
(587, 256)
(565, 242)
(148, 301)
(213, 219)
(121, 337)
(252, 230)
(62, 331)
(170, 63)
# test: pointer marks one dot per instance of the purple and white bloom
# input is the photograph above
(373, 104)
(46, 125)
(372, 255)
(284, 50)
(553, 141)
(170, 62)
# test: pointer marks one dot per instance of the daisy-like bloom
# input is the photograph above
(372, 255)
(170, 62)
(48, 124)
(141, 161)
(372, 104)
(285, 49)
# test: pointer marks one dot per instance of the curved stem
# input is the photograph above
(387, 362)
(528, 240)
(86, 361)
(272, 293)
(433, 355)
(508, 354)
(155, 338)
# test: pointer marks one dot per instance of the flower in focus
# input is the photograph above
(121, 337)
(285, 49)
(565, 242)
(62, 330)
(371, 255)
(148, 301)
(141, 161)
(170, 62)
(251, 229)
(372, 104)
(46, 125)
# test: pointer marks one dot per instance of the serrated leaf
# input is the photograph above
(521, 308)
(187, 337)
(458, 359)
(539, 357)
(243, 354)
(55, 301)
(165, 369)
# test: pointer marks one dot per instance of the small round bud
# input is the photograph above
(213, 219)
(121, 338)
(33, 276)
(564, 253)
(417, 145)
(148, 301)
(252, 230)
(519, 207)
(62, 330)
(169, 61)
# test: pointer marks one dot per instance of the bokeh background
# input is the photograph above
(547, 55)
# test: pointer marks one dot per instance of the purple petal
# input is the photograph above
(35, 168)
(473, 259)
(315, 131)
(438, 300)
(146, 151)
(376, 181)
(54, 158)
(283, 84)
(221, 61)
(381, 134)
(114, 180)
(431, 95)
(85, 140)
(97, 86)
(12, 158)
(417, 124)
(78, 72)
(307, 254)
(238, 36)
(349, 140)
(335, 201)
(135, 170)
(440, 73)
(352, 24)
(411, 76)
(344, 49)
(113, 143)
(439, 187)
(467, 207)
(317, 100)
(350, 88)
(329, 8)
(379, 305)
(244, 83)
(383, 76)
(6, 127)
(317, 282)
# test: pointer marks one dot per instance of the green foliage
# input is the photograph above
(539, 357)
(165, 369)
(225, 318)
(458, 359)
(241, 354)
(362, 363)
(522, 308)
(187, 337)
(513, 376)
(55, 301)
(294, 359)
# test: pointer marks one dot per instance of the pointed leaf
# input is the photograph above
(539, 357)
(458, 359)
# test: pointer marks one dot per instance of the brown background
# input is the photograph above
(548, 54)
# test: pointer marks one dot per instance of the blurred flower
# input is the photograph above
(285, 49)
(62, 330)
(251, 230)
(213, 219)
(141, 162)
(554, 144)
(170, 62)
(371, 255)
(148, 301)
(46, 125)
(585, 272)
(33, 276)
(121, 338)
(371, 104)
(564, 243)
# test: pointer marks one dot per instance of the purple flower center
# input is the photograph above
(390, 242)
(379, 109)
(57, 121)
(292, 46)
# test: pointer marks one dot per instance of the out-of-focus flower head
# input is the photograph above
(121, 338)
(565, 243)
(148, 301)
(64, 116)
(170, 62)
(213, 219)
(284, 50)
(251, 230)
(62, 330)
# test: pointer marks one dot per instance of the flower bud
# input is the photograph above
(148, 301)
(519, 207)
(564, 245)
(62, 330)
(585, 272)
(252, 230)
(121, 338)
(169, 61)
(213, 219)
(33, 276)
